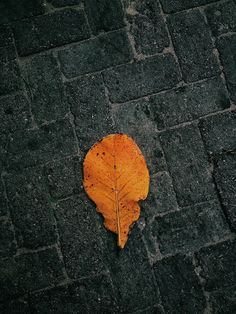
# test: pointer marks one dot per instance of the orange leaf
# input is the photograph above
(116, 178)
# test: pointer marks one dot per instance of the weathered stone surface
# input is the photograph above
(179, 285)
(90, 295)
(87, 99)
(190, 228)
(7, 241)
(9, 69)
(30, 208)
(222, 17)
(79, 236)
(15, 10)
(172, 6)
(95, 54)
(224, 301)
(128, 118)
(147, 26)
(65, 26)
(131, 273)
(64, 177)
(189, 29)
(104, 15)
(3, 201)
(15, 306)
(219, 132)
(138, 79)
(225, 175)
(3, 152)
(227, 48)
(43, 81)
(188, 165)
(29, 272)
(64, 3)
(32, 147)
(188, 103)
(218, 265)
(14, 113)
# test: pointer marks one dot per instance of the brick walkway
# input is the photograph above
(164, 73)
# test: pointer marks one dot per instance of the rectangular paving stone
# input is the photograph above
(16, 10)
(218, 265)
(67, 170)
(188, 102)
(225, 176)
(96, 54)
(131, 273)
(224, 301)
(222, 17)
(79, 237)
(219, 132)
(10, 79)
(188, 165)
(33, 147)
(66, 26)
(179, 285)
(190, 228)
(193, 45)
(44, 84)
(14, 113)
(104, 15)
(7, 239)
(128, 118)
(28, 272)
(227, 49)
(90, 295)
(147, 27)
(87, 100)
(30, 207)
(172, 6)
(138, 79)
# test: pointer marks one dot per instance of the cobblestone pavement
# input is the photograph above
(72, 71)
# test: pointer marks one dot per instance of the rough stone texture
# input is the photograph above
(163, 72)
(43, 81)
(90, 295)
(225, 175)
(28, 272)
(179, 285)
(147, 26)
(14, 113)
(172, 6)
(217, 265)
(90, 126)
(227, 48)
(32, 147)
(104, 15)
(30, 208)
(222, 17)
(131, 81)
(9, 70)
(188, 165)
(190, 228)
(66, 26)
(188, 103)
(12, 10)
(95, 54)
(219, 132)
(190, 29)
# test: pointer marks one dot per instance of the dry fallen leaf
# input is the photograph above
(116, 178)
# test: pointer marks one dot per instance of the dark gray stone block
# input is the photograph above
(96, 54)
(188, 165)
(138, 79)
(189, 30)
(223, 301)
(190, 228)
(66, 26)
(179, 285)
